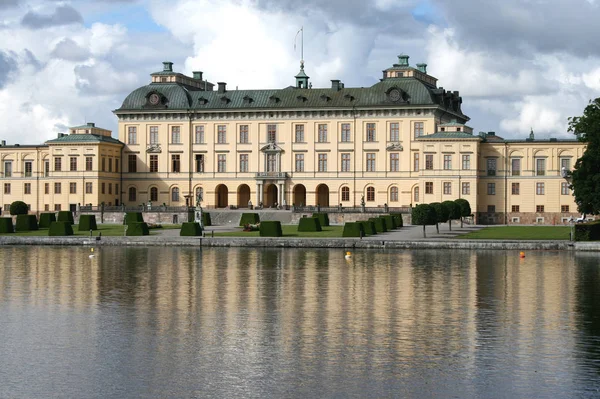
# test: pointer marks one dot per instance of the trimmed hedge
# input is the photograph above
(587, 231)
(390, 222)
(133, 217)
(369, 227)
(60, 229)
(353, 229)
(65, 216)
(309, 224)
(323, 218)
(6, 225)
(249, 218)
(398, 219)
(206, 219)
(87, 223)
(18, 208)
(270, 228)
(26, 223)
(379, 224)
(46, 219)
(190, 229)
(137, 229)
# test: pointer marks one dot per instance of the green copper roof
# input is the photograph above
(84, 138)
(450, 135)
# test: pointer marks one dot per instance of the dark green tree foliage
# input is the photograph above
(87, 223)
(453, 212)
(586, 174)
(587, 231)
(59, 229)
(65, 216)
(190, 229)
(271, 228)
(369, 227)
(398, 219)
(441, 212)
(380, 225)
(390, 222)
(465, 209)
(137, 229)
(46, 219)
(19, 208)
(353, 229)
(309, 224)
(206, 219)
(323, 218)
(424, 215)
(6, 225)
(249, 218)
(134, 217)
(26, 223)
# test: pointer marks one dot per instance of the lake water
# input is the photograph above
(297, 323)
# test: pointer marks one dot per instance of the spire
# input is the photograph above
(302, 77)
(531, 137)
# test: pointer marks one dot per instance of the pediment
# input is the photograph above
(271, 147)
(395, 147)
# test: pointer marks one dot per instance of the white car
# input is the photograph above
(581, 219)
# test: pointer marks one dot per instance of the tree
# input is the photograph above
(424, 215)
(442, 214)
(465, 209)
(19, 208)
(586, 174)
(453, 212)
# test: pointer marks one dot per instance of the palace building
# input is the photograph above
(400, 142)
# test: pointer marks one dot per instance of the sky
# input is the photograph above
(518, 64)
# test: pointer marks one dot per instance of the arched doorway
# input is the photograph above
(271, 196)
(299, 195)
(323, 195)
(243, 196)
(221, 194)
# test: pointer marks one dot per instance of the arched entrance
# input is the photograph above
(271, 196)
(322, 195)
(299, 195)
(221, 194)
(243, 196)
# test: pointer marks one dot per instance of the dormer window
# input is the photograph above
(225, 100)
(202, 101)
(301, 98)
(274, 99)
(248, 100)
(458, 129)
(443, 129)
(349, 97)
(325, 98)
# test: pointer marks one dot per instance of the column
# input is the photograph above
(280, 201)
(258, 193)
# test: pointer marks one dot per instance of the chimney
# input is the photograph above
(222, 87)
(197, 75)
(422, 68)
(3, 143)
(403, 60)
(336, 85)
(91, 124)
(491, 133)
(167, 66)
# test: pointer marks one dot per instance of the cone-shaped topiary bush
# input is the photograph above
(137, 229)
(6, 225)
(190, 229)
(249, 218)
(323, 218)
(206, 219)
(26, 223)
(60, 229)
(270, 228)
(65, 216)
(133, 217)
(46, 219)
(309, 224)
(368, 227)
(353, 229)
(379, 224)
(87, 223)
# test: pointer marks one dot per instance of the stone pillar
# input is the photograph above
(280, 201)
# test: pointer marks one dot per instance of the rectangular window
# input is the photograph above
(110, 164)
(243, 134)
(299, 162)
(199, 135)
(6, 189)
(429, 162)
(564, 208)
(516, 189)
(153, 139)
(272, 133)
(515, 166)
(564, 188)
(88, 164)
(272, 163)
(515, 208)
(57, 188)
(175, 134)
(539, 208)
(116, 189)
(153, 163)
(222, 163)
(117, 165)
(346, 138)
(103, 188)
(466, 162)
(491, 167)
(419, 128)
(28, 168)
(322, 133)
(565, 164)
(540, 188)
(46, 168)
(132, 135)
(88, 188)
(540, 167)
(345, 194)
(46, 188)
(199, 163)
(103, 164)
(371, 162)
(394, 131)
(370, 132)
(46, 207)
(394, 162)
(132, 163)
(466, 188)
(447, 188)
(447, 162)
(72, 188)
(491, 188)
(57, 207)
(243, 162)
(429, 187)
(345, 162)
(175, 163)
(416, 162)
(322, 162)
(416, 194)
(491, 208)
(299, 134)
(8, 169)
(110, 188)
(57, 164)
(394, 194)
(221, 134)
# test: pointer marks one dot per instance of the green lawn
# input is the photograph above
(289, 231)
(520, 233)
(107, 230)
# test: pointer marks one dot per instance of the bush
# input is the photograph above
(390, 222)
(353, 229)
(270, 229)
(65, 216)
(323, 218)
(398, 219)
(424, 214)
(587, 231)
(133, 217)
(6, 225)
(206, 219)
(380, 226)
(368, 227)
(249, 218)
(309, 224)
(87, 223)
(60, 229)
(46, 219)
(26, 223)
(137, 229)
(19, 208)
(190, 229)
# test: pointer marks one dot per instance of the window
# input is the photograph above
(370, 193)
(565, 164)
(271, 133)
(176, 163)
(88, 164)
(345, 162)
(46, 188)
(73, 188)
(299, 163)
(153, 139)
(447, 188)
(8, 169)
(564, 188)
(416, 195)
(345, 194)
(418, 128)
(132, 194)
(221, 163)
(57, 207)
(515, 166)
(271, 163)
(394, 131)
(116, 189)
(540, 188)
(299, 134)
(102, 188)
(539, 208)
(491, 167)
(243, 134)
(346, 138)
(6, 189)
(564, 208)
(110, 164)
(46, 207)
(394, 194)
(46, 168)
(199, 135)
(416, 162)
(491, 208)
(175, 134)
(322, 133)
(466, 162)
(243, 162)
(175, 194)
(370, 162)
(57, 164)
(370, 132)
(429, 162)
(515, 208)
(466, 188)
(57, 188)
(429, 187)
(221, 134)
(447, 162)
(110, 188)
(132, 163)
(540, 167)
(103, 164)
(322, 162)
(88, 188)
(132, 135)
(28, 168)
(153, 194)
(394, 162)
(491, 188)
(199, 163)
(153, 163)
(516, 188)
(117, 165)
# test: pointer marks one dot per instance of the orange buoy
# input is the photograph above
(521, 255)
